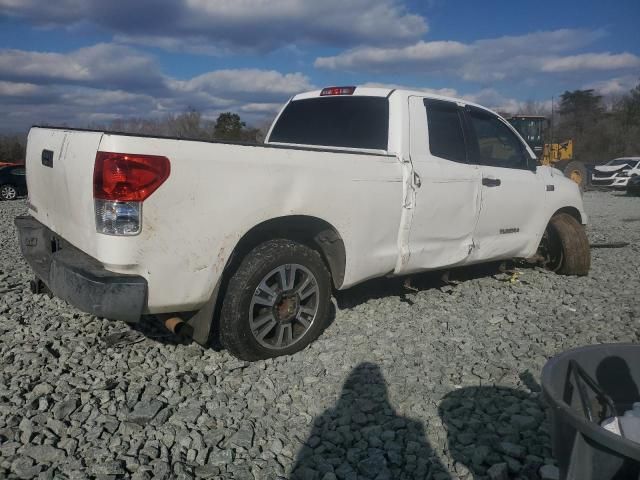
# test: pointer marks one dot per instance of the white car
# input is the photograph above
(616, 173)
(352, 183)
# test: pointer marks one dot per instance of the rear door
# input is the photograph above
(59, 167)
(512, 193)
(447, 186)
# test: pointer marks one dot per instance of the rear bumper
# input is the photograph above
(81, 280)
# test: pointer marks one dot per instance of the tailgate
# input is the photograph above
(60, 182)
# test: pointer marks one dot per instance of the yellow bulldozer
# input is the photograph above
(559, 155)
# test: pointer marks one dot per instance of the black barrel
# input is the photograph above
(583, 387)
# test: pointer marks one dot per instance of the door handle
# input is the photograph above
(491, 182)
(417, 181)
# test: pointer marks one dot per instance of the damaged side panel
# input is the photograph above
(443, 197)
(190, 233)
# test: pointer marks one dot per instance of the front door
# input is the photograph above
(447, 187)
(512, 192)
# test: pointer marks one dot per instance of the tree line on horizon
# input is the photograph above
(600, 131)
(190, 124)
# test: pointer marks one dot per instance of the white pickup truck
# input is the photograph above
(249, 240)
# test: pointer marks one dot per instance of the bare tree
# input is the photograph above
(532, 107)
(12, 148)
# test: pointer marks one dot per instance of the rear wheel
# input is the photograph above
(276, 302)
(565, 247)
(8, 192)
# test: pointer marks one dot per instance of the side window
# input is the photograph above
(446, 137)
(497, 145)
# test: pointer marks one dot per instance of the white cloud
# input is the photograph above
(23, 64)
(374, 58)
(98, 99)
(110, 81)
(71, 105)
(218, 26)
(243, 81)
(614, 86)
(549, 41)
(194, 44)
(494, 100)
(591, 61)
(488, 60)
(444, 92)
(98, 65)
(12, 89)
(487, 97)
(46, 13)
(261, 108)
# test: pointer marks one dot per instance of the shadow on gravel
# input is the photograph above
(147, 328)
(497, 431)
(398, 286)
(362, 437)
(614, 377)
(401, 287)
(151, 327)
(620, 194)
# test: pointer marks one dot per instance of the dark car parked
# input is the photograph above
(633, 187)
(13, 182)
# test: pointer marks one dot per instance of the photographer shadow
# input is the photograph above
(362, 437)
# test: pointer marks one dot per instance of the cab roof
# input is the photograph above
(383, 92)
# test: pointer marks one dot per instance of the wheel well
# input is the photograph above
(574, 212)
(310, 231)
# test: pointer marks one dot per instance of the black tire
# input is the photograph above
(567, 244)
(8, 192)
(238, 305)
(577, 172)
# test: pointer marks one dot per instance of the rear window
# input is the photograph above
(353, 122)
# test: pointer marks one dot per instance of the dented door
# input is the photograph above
(445, 193)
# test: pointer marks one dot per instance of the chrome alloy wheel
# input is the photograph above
(284, 306)
(8, 192)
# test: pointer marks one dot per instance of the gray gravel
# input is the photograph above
(436, 383)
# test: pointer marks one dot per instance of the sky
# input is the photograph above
(88, 62)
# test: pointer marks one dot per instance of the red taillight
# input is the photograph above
(337, 91)
(128, 177)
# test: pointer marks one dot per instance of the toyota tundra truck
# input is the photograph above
(248, 242)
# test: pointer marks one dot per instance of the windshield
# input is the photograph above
(345, 121)
(529, 129)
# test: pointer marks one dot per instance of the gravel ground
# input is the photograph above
(440, 382)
